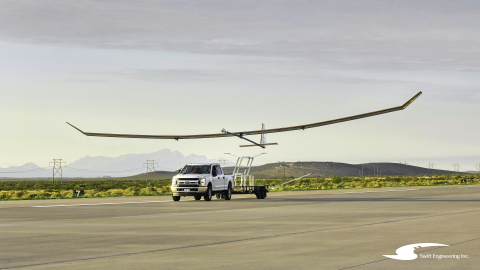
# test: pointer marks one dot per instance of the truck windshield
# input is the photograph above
(192, 169)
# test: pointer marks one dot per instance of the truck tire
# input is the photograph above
(176, 198)
(208, 194)
(228, 194)
(197, 197)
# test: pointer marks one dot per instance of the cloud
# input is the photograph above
(374, 34)
(168, 74)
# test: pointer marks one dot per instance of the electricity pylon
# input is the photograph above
(432, 166)
(456, 167)
(150, 168)
(57, 169)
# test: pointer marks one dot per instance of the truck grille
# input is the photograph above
(188, 182)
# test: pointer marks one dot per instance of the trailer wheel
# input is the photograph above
(208, 194)
(259, 194)
(197, 197)
(228, 194)
(176, 198)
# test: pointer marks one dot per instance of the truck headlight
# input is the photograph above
(174, 182)
(202, 182)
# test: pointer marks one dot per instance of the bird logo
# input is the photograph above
(406, 253)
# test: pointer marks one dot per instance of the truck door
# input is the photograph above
(217, 181)
(221, 176)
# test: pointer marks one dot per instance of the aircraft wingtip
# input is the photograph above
(75, 127)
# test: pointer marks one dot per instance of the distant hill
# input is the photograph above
(159, 175)
(322, 169)
(131, 166)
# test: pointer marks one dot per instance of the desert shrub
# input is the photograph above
(336, 179)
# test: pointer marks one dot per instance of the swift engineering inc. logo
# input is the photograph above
(406, 253)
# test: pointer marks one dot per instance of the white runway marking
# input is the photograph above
(93, 204)
(96, 204)
(374, 191)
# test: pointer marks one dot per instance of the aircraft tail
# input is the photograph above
(263, 140)
(263, 137)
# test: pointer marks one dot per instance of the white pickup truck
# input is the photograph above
(202, 180)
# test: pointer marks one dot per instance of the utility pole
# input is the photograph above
(478, 168)
(223, 164)
(279, 168)
(370, 165)
(326, 169)
(456, 167)
(57, 169)
(431, 166)
(280, 165)
(150, 168)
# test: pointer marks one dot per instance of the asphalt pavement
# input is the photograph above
(320, 229)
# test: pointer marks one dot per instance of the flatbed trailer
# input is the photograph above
(259, 191)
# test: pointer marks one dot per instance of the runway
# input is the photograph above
(321, 229)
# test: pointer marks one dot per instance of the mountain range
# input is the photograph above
(100, 166)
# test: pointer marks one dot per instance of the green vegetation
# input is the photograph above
(42, 189)
(336, 182)
(25, 190)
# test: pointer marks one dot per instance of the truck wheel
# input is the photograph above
(197, 197)
(228, 194)
(208, 194)
(176, 198)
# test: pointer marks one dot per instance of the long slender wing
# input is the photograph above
(254, 132)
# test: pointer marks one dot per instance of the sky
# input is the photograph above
(192, 67)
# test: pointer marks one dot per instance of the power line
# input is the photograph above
(90, 171)
(28, 171)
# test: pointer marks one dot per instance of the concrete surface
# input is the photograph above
(336, 229)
